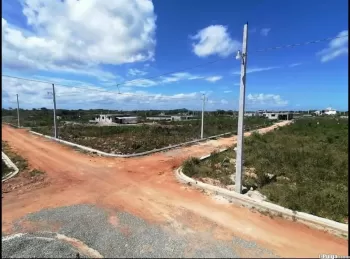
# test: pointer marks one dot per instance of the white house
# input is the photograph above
(115, 118)
(330, 111)
(104, 118)
(278, 115)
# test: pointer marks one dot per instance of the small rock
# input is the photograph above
(282, 178)
(251, 175)
(218, 165)
(256, 195)
(230, 187)
(232, 161)
(271, 176)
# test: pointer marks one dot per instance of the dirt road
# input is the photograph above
(146, 188)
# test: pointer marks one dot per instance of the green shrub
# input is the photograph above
(311, 153)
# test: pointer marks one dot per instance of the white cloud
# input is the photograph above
(265, 31)
(228, 91)
(256, 69)
(136, 72)
(266, 99)
(172, 78)
(223, 101)
(141, 83)
(214, 40)
(35, 95)
(294, 64)
(336, 48)
(79, 36)
(213, 78)
(178, 76)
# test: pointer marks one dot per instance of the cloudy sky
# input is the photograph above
(88, 47)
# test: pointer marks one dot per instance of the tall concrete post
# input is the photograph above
(202, 125)
(18, 124)
(54, 110)
(240, 130)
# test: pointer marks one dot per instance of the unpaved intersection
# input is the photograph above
(134, 207)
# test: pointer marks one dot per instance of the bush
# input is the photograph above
(131, 139)
(312, 157)
(190, 166)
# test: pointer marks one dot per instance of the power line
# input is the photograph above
(170, 73)
(92, 89)
(174, 98)
(299, 44)
(181, 70)
(155, 98)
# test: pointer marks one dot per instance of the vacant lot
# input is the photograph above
(303, 166)
(136, 139)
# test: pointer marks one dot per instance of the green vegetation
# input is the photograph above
(19, 161)
(35, 172)
(5, 169)
(218, 167)
(303, 166)
(136, 139)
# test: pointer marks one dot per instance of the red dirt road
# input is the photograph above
(147, 188)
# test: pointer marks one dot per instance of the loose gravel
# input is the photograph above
(128, 236)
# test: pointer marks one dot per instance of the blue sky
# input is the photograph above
(95, 45)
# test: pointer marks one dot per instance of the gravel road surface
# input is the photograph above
(115, 234)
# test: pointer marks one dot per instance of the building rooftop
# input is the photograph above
(127, 117)
(114, 114)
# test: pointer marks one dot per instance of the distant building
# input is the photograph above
(318, 113)
(115, 118)
(278, 115)
(181, 118)
(330, 111)
(159, 118)
(251, 114)
(172, 118)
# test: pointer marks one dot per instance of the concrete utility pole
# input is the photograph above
(18, 112)
(240, 130)
(202, 126)
(54, 109)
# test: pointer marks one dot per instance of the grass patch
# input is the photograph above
(137, 139)
(35, 172)
(19, 161)
(309, 162)
(214, 168)
(5, 170)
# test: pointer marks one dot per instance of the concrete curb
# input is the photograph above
(10, 164)
(128, 155)
(334, 227)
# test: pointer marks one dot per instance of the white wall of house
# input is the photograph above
(271, 116)
(330, 111)
(104, 118)
(159, 118)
